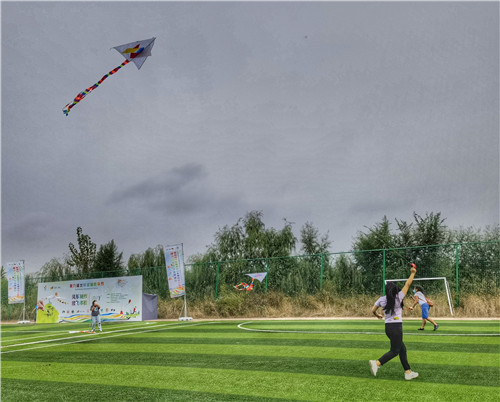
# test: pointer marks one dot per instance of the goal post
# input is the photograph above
(446, 286)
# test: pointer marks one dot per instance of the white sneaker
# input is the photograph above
(373, 367)
(411, 376)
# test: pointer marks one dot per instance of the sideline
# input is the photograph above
(97, 336)
(278, 331)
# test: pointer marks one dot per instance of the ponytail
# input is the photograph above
(391, 292)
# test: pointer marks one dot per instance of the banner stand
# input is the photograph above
(16, 287)
(185, 318)
(174, 263)
(24, 321)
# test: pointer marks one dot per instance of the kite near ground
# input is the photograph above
(135, 52)
(245, 286)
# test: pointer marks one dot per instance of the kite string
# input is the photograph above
(82, 94)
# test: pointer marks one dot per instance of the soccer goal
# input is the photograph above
(446, 286)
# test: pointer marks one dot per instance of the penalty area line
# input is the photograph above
(278, 331)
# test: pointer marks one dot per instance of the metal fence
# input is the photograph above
(469, 268)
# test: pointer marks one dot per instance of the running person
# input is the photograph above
(392, 304)
(95, 313)
(420, 299)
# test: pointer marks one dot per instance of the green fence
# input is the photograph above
(468, 268)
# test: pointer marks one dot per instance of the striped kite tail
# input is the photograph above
(82, 94)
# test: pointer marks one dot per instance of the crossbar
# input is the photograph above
(446, 286)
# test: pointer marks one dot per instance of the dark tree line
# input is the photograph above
(250, 246)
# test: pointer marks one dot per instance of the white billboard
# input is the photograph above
(120, 299)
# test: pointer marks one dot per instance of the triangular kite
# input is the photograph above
(259, 276)
(135, 52)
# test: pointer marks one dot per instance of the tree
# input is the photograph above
(311, 242)
(405, 245)
(249, 238)
(109, 260)
(479, 256)
(55, 270)
(82, 259)
(370, 263)
(151, 265)
(247, 246)
(316, 261)
(346, 277)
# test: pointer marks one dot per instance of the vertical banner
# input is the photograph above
(120, 299)
(15, 278)
(174, 260)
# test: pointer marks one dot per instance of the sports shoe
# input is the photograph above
(436, 327)
(411, 376)
(373, 367)
(421, 329)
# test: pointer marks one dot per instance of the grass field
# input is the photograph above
(314, 360)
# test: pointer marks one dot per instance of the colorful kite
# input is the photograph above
(135, 52)
(245, 286)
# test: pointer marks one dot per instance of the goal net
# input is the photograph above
(446, 286)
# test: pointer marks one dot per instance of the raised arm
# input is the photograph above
(410, 279)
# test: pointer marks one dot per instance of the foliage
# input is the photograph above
(151, 265)
(423, 231)
(248, 238)
(108, 260)
(479, 264)
(55, 270)
(83, 257)
(347, 278)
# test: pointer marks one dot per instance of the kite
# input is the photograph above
(135, 52)
(245, 286)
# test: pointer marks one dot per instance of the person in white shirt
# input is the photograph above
(422, 300)
(392, 304)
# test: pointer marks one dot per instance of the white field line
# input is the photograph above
(240, 326)
(96, 336)
(55, 333)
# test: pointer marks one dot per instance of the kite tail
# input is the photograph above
(82, 94)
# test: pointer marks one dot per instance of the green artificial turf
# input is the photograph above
(313, 360)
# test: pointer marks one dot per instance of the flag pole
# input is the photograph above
(185, 318)
(24, 299)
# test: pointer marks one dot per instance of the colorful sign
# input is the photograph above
(15, 279)
(120, 299)
(174, 260)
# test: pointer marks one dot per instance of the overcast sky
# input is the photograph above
(328, 112)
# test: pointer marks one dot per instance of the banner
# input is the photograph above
(15, 279)
(174, 260)
(120, 299)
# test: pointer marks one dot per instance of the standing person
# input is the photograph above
(95, 313)
(39, 306)
(35, 310)
(422, 300)
(392, 304)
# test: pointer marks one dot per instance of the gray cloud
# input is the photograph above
(175, 191)
(332, 112)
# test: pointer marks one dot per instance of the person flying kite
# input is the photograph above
(135, 52)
